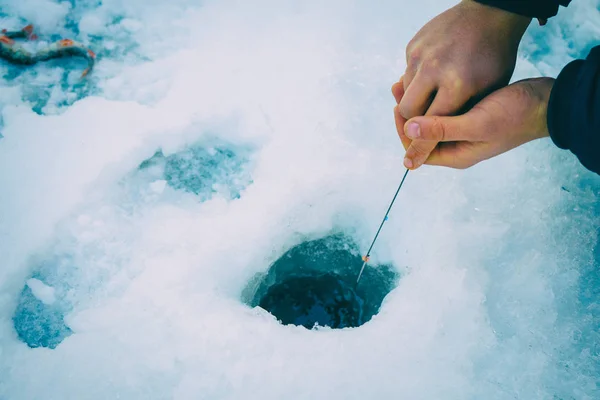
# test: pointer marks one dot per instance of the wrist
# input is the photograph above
(507, 23)
(540, 90)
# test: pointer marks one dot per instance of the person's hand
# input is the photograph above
(505, 119)
(459, 56)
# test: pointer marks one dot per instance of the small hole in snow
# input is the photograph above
(313, 284)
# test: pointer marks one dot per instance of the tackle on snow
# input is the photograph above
(13, 52)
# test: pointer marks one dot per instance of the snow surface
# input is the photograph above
(285, 108)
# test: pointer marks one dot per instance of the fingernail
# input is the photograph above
(413, 131)
(408, 163)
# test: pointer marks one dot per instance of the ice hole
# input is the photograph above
(313, 285)
(38, 321)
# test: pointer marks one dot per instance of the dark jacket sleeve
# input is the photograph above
(574, 106)
(542, 9)
(574, 110)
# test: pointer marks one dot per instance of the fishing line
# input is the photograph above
(366, 258)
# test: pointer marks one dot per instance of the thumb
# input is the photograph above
(465, 127)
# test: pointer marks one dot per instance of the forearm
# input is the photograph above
(512, 24)
(574, 110)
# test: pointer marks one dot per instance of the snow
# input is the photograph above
(213, 137)
(158, 186)
(42, 292)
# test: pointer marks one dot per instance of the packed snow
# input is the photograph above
(138, 205)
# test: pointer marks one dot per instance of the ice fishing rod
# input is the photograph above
(366, 258)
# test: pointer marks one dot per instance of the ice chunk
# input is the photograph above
(158, 186)
(41, 291)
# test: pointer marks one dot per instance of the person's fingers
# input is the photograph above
(409, 74)
(467, 127)
(398, 90)
(443, 104)
(400, 121)
(418, 96)
(418, 152)
(427, 132)
(447, 102)
(459, 155)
